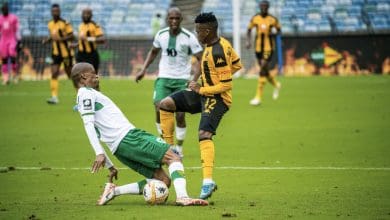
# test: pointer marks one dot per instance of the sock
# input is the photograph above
(132, 188)
(180, 135)
(272, 80)
(260, 86)
(176, 171)
(207, 158)
(207, 181)
(54, 87)
(167, 121)
(158, 126)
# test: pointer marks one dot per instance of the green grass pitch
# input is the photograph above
(319, 152)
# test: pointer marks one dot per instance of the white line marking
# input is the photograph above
(221, 168)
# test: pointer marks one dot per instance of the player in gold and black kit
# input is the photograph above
(60, 34)
(90, 34)
(212, 98)
(264, 48)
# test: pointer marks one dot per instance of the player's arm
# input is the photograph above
(196, 66)
(236, 62)
(249, 33)
(87, 112)
(152, 54)
(99, 38)
(225, 83)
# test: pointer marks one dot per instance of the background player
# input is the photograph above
(264, 47)
(177, 45)
(9, 37)
(212, 98)
(90, 34)
(60, 33)
(135, 148)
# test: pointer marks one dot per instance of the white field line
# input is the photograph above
(221, 168)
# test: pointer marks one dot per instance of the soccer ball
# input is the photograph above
(155, 192)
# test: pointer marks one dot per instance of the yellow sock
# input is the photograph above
(54, 87)
(167, 121)
(260, 86)
(272, 80)
(207, 158)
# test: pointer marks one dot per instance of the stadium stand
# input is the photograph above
(132, 17)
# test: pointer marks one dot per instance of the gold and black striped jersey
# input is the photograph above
(60, 28)
(264, 41)
(90, 29)
(219, 63)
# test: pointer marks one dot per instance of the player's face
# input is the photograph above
(202, 32)
(91, 79)
(55, 12)
(174, 19)
(264, 8)
(86, 15)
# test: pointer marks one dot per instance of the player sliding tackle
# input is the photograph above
(137, 149)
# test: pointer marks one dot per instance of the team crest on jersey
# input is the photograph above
(87, 104)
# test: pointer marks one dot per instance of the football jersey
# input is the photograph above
(219, 62)
(176, 51)
(9, 26)
(90, 29)
(110, 123)
(60, 28)
(264, 25)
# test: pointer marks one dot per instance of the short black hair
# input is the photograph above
(55, 5)
(207, 18)
(264, 2)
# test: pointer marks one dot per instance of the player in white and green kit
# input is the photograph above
(177, 46)
(134, 147)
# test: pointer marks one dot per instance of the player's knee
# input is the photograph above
(205, 135)
(167, 104)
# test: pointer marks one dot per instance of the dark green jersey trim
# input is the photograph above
(98, 106)
(89, 113)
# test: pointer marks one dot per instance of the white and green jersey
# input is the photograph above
(176, 51)
(102, 119)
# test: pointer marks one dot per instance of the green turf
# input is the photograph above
(317, 122)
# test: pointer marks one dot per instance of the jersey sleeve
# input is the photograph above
(277, 24)
(251, 23)
(68, 28)
(156, 41)
(85, 104)
(98, 31)
(195, 45)
(236, 61)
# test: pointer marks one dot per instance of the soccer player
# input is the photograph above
(90, 34)
(60, 34)
(134, 147)
(264, 47)
(9, 37)
(212, 98)
(177, 45)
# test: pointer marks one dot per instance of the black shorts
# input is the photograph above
(212, 108)
(92, 58)
(264, 55)
(57, 60)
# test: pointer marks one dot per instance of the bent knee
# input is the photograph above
(167, 104)
(205, 135)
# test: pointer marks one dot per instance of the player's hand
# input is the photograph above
(140, 75)
(73, 45)
(99, 162)
(45, 41)
(194, 86)
(248, 45)
(113, 174)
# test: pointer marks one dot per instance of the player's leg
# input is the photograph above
(14, 66)
(54, 84)
(213, 110)
(261, 80)
(161, 91)
(176, 171)
(271, 79)
(68, 64)
(181, 128)
(4, 62)
(181, 101)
